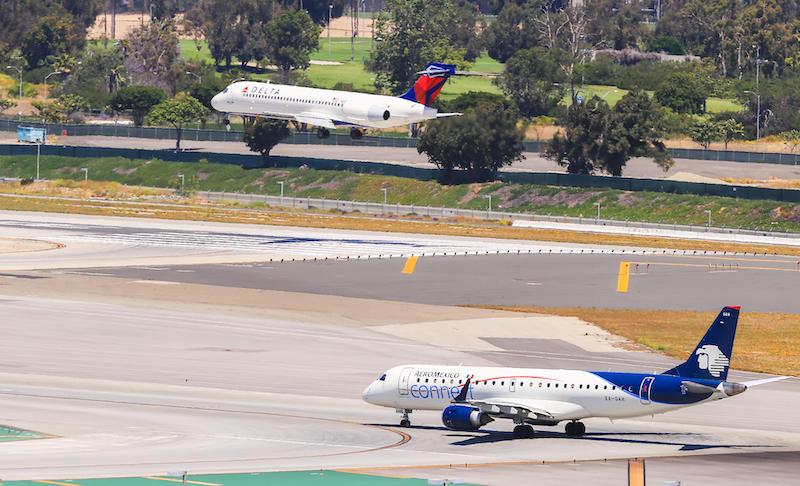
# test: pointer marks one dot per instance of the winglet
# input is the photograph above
(462, 395)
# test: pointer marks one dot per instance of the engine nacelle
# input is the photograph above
(464, 417)
(372, 113)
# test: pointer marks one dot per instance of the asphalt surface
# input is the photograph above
(136, 390)
(767, 284)
(638, 167)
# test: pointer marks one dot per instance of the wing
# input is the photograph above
(541, 411)
(315, 119)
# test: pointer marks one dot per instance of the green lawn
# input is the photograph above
(616, 204)
(612, 95)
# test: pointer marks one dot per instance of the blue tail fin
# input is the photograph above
(711, 357)
(430, 83)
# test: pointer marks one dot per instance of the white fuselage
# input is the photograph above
(322, 107)
(572, 394)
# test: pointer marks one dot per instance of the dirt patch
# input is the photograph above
(627, 199)
(471, 194)
(534, 198)
(121, 171)
(15, 245)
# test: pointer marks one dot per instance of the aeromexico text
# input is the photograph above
(438, 374)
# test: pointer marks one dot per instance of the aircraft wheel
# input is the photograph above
(356, 134)
(323, 133)
(405, 423)
(575, 429)
(523, 432)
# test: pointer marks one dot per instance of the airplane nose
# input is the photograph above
(216, 102)
(366, 395)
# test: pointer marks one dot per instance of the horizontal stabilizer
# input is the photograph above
(446, 115)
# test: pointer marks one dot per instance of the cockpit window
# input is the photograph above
(224, 90)
(382, 378)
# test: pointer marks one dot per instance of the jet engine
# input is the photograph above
(372, 113)
(463, 417)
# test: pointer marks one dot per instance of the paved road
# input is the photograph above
(639, 167)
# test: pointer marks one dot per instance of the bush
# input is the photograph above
(666, 44)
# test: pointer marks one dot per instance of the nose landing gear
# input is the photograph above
(575, 429)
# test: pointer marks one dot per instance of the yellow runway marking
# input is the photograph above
(173, 480)
(410, 265)
(56, 483)
(624, 277)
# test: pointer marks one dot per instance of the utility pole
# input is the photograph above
(330, 15)
(353, 27)
(114, 19)
(758, 92)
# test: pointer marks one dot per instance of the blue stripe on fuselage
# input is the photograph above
(666, 389)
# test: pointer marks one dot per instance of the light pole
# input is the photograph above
(597, 218)
(281, 184)
(183, 180)
(330, 14)
(708, 212)
(85, 171)
(489, 208)
(45, 82)
(38, 156)
(758, 113)
(385, 197)
(19, 105)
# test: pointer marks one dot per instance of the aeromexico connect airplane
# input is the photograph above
(326, 108)
(471, 397)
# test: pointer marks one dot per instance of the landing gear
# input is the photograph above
(405, 421)
(356, 134)
(523, 432)
(575, 429)
(323, 133)
(227, 123)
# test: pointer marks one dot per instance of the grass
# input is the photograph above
(561, 201)
(765, 342)
(612, 95)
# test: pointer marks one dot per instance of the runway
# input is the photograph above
(141, 348)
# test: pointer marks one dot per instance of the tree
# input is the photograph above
(177, 112)
(263, 135)
(408, 35)
(318, 9)
(512, 30)
(616, 24)
(791, 139)
(60, 109)
(599, 138)
(138, 100)
(152, 56)
(97, 76)
(164, 9)
(532, 79)
(705, 132)
(291, 38)
(667, 44)
(683, 92)
(483, 140)
(49, 36)
(730, 130)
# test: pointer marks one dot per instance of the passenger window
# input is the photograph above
(596, 387)
(613, 387)
(426, 380)
(417, 380)
(548, 385)
(502, 383)
(540, 384)
(605, 387)
(493, 383)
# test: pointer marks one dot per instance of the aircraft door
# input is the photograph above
(402, 383)
(646, 389)
(511, 386)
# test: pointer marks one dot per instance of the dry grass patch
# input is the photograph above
(81, 189)
(765, 342)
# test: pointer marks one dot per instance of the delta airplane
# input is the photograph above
(326, 108)
(471, 397)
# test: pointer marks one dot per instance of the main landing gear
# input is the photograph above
(575, 429)
(404, 421)
(323, 133)
(523, 432)
(356, 134)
